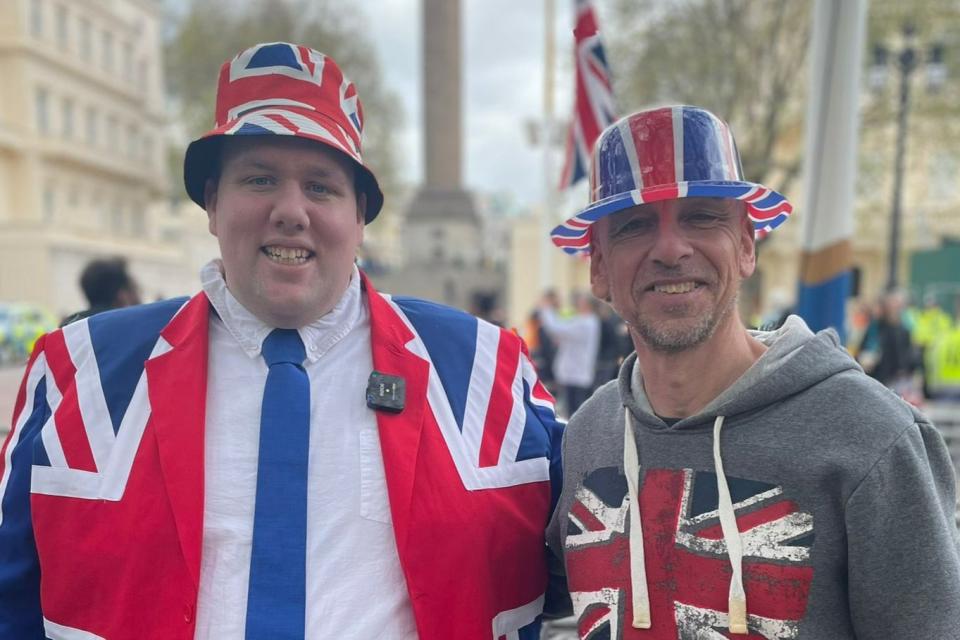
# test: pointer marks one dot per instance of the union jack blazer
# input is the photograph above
(101, 476)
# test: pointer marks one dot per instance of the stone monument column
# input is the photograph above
(444, 258)
(442, 118)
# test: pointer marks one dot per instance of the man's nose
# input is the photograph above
(671, 245)
(290, 209)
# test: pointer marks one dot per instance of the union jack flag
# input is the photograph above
(90, 432)
(104, 430)
(594, 107)
(273, 88)
(480, 403)
(688, 569)
(662, 154)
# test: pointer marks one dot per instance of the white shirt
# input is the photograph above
(578, 340)
(355, 585)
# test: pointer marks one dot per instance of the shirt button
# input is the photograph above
(188, 613)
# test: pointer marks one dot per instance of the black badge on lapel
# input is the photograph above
(386, 393)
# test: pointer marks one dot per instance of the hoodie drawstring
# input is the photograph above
(737, 602)
(638, 571)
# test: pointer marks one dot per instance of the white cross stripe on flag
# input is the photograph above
(598, 608)
(92, 403)
(239, 66)
(768, 540)
(465, 445)
(110, 479)
(612, 518)
(706, 624)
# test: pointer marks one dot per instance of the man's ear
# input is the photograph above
(599, 281)
(210, 204)
(748, 245)
(361, 214)
(362, 207)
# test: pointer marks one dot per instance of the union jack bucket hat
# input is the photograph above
(666, 153)
(278, 88)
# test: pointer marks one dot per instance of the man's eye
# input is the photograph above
(318, 188)
(259, 181)
(636, 225)
(702, 217)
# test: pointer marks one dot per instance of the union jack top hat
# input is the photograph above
(278, 88)
(661, 154)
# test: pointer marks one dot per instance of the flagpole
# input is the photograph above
(548, 212)
(830, 162)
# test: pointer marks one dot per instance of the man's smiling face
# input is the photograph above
(289, 222)
(672, 269)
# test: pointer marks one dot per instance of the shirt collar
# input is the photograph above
(250, 332)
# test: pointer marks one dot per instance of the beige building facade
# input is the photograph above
(82, 152)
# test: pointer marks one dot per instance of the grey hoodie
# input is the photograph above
(828, 510)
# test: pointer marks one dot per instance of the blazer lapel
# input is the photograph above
(177, 383)
(399, 432)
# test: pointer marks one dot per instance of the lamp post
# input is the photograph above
(905, 58)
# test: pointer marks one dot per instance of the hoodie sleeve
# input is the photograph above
(904, 560)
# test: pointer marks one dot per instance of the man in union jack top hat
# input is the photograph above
(733, 483)
(288, 454)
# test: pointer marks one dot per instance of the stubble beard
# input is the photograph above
(674, 336)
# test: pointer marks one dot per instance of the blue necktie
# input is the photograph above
(276, 595)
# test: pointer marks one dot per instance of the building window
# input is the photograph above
(86, 40)
(67, 121)
(43, 111)
(132, 141)
(142, 75)
(138, 223)
(92, 127)
(943, 169)
(63, 30)
(49, 203)
(111, 134)
(116, 219)
(148, 150)
(127, 61)
(107, 52)
(36, 18)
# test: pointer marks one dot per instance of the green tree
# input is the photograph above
(209, 32)
(747, 61)
(742, 59)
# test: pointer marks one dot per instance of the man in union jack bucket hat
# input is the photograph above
(288, 454)
(734, 480)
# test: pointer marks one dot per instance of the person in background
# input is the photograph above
(106, 285)
(288, 454)
(735, 483)
(615, 345)
(543, 350)
(896, 356)
(578, 341)
(931, 324)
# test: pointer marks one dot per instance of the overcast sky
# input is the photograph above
(502, 86)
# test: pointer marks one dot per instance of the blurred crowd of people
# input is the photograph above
(912, 348)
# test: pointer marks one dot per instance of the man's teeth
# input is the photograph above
(286, 254)
(680, 287)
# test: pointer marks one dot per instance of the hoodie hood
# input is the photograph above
(795, 360)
